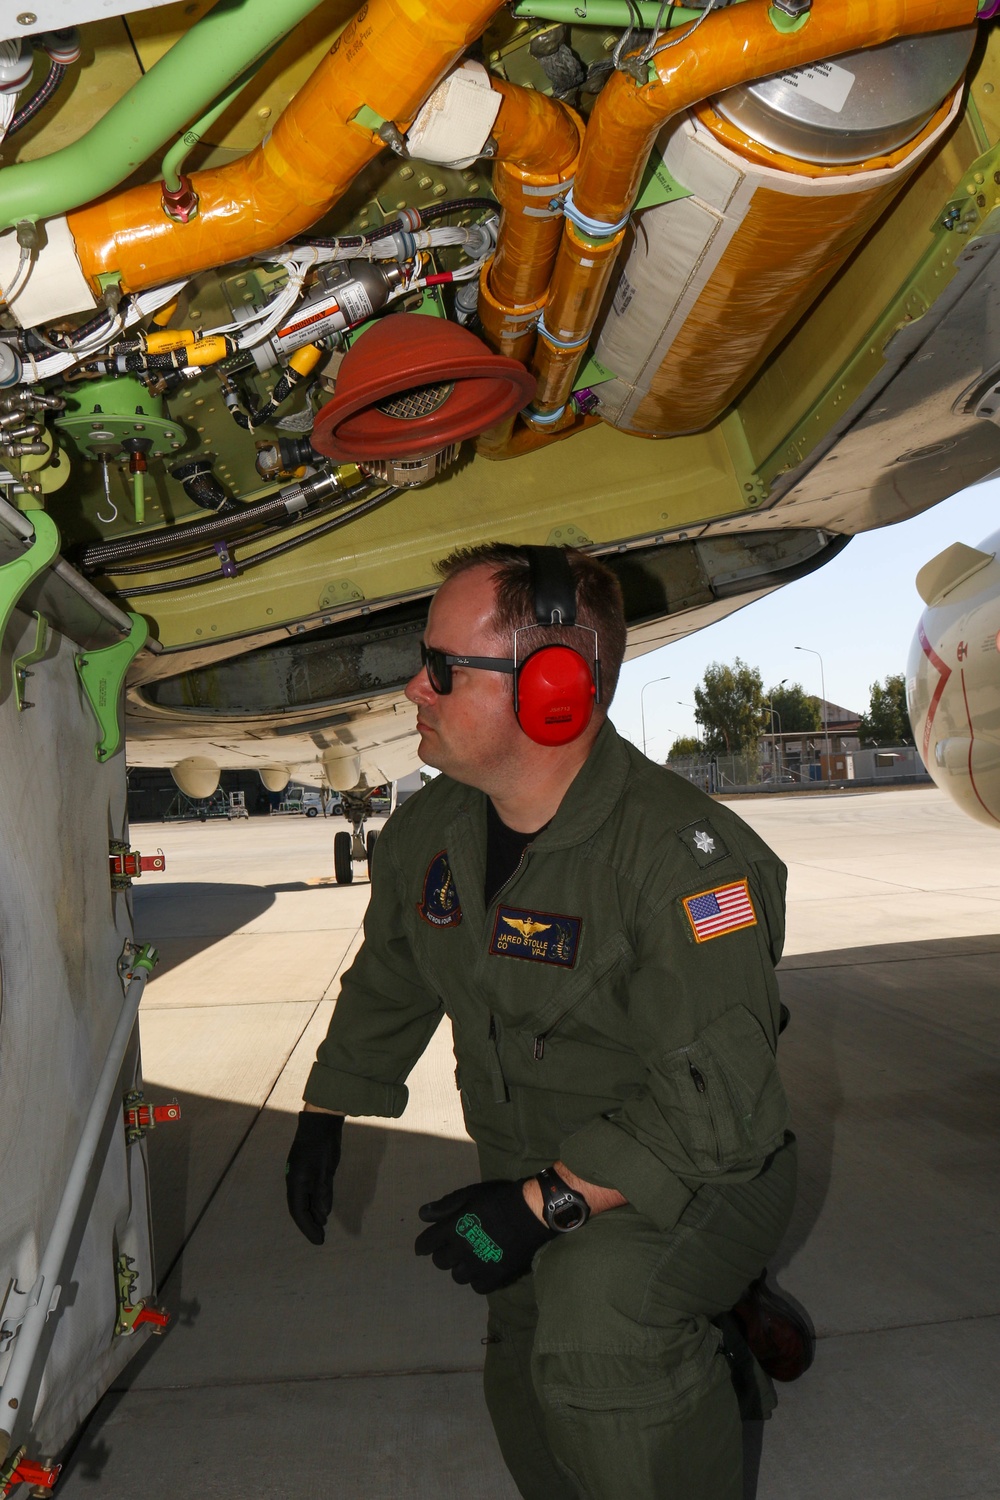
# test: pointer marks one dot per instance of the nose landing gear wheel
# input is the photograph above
(343, 867)
(370, 843)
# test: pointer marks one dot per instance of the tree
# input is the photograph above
(887, 722)
(794, 710)
(684, 746)
(730, 707)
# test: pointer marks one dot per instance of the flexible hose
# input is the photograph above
(163, 564)
(427, 216)
(96, 557)
(172, 584)
(263, 414)
(41, 97)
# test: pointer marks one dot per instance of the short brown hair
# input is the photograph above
(598, 601)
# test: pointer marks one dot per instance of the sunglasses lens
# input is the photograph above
(438, 670)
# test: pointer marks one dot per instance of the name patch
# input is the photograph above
(545, 937)
(725, 909)
(440, 904)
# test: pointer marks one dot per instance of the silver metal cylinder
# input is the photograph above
(854, 107)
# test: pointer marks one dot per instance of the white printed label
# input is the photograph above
(354, 302)
(825, 84)
(623, 296)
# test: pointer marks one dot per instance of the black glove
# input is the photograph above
(312, 1161)
(484, 1234)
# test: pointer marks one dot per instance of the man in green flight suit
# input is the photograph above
(602, 937)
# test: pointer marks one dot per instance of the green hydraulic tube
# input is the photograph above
(613, 13)
(139, 497)
(180, 150)
(209, 58)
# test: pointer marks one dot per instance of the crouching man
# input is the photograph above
(602, 937)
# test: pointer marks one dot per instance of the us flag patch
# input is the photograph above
(727, 908)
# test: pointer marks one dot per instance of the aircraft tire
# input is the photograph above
(370, 843)
(343, 867)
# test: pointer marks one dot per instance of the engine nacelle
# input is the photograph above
(953, 676)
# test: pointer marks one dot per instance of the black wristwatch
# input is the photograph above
(563, 1208)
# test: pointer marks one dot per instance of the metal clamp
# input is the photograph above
(132, 1315)
(28, 659)
(16, 575)
(557, 342)
(595, 229)
(12, 1311)
(102, 674)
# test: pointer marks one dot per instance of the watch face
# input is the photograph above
(568, 1213)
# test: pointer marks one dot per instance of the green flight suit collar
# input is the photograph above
(590, 798)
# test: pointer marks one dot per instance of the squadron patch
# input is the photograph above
(702, 840)
(542, 936)
(440, 905)
(725, 909)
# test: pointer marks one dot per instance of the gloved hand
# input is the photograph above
(484, 1234)
(312, 1161)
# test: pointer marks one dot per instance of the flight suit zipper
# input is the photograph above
(501, 1093)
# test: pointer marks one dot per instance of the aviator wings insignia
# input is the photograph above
(526, 927)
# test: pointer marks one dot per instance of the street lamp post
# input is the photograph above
(776, 715)
(826, 726)
(642, 705)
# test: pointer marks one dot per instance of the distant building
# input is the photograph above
(792, 754)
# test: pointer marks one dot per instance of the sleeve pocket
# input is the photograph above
(724, 1097)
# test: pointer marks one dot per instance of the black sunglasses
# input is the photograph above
(438, 665)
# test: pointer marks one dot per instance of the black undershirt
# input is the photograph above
(504, 850)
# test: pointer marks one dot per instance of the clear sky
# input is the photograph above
(859, 611)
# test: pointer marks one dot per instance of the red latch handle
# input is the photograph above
(133, 863)
(34, 1474)
(145, 1116)
(152, 1315)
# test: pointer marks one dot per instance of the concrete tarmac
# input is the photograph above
(353, 1371)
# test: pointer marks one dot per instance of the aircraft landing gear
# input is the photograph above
(343, 865)
(355, 847)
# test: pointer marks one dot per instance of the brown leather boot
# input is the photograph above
(779, 1337)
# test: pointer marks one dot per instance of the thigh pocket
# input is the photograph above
(724, 1098)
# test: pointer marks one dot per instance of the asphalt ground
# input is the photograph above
(352, 1371)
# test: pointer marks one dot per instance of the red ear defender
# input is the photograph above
(554, 695)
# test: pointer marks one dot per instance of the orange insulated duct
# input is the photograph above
(538, 143)
(385, 62)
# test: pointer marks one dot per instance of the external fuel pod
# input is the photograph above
(728, 271)
(738, 45)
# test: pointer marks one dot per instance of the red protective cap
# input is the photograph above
(393, 398)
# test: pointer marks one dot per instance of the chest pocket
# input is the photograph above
(539, 998)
